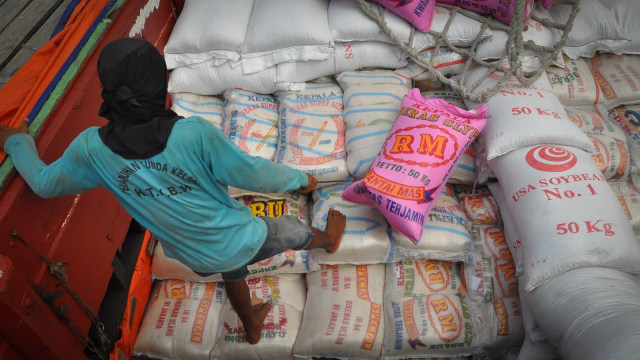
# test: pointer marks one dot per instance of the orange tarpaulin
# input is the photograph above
(24, 89)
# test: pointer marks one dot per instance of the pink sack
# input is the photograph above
(418, 12)
(500, 9)
(422, 148)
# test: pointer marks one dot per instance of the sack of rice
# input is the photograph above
(447, 61)
(421, 322)
(618, 77)
(444, 235)
(210, 108)
(510, 232)
(490, 241)
(303, 34)
(523, 115)
(609, 141)
(574, 84)
(627, 118)
(535, 345)
(365, 239)
(480, 206)
(501, 10)
(487, 278)
(346, 56)
(208, 31)
(343, 314)
(590, 313)
(251, 122)
(370, 111)
(422, 149)
(629, 197)
(181, 320)
(498, 324)
(290, 261)
(550, 180)
(370, 77)
(312, 131)
(287, 295)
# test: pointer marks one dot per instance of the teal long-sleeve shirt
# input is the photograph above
(180, 194)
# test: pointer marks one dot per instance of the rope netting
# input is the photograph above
(510, 64)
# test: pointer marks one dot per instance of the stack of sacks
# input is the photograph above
(371, 103)
(272, 205)
(343, 316)
(312, 131)
(181, 320)
(579, 225)
(491, 278)
(426, 311)
(287, 296)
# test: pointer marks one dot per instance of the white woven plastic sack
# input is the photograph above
(181, 320)
(447, 61)
(490, 241)
(498, 324)
(290, 261)
(627, 118)
(535, 345)
(423, 320)
(365, 239)
(629, 197)
(548, 181)
(343, 316)
(345, 57)
(493, 48)
(210, 108)
(510, 231)
(590, 313)
(369, 77)
(480, 206)
(302, 29)
(444, 236)
(287, 295)
(488, 278)
(252, 122)
(208, 30)
(523, 115)
(216, 79)
(594, 28)
(609, 142)
(312, 131)
(574, 84)
(370, 110)
(626, 14)
(618, 77)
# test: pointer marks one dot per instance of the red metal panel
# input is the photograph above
(84, 231)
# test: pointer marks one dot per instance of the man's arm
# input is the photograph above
(66, 176)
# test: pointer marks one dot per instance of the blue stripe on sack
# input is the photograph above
(320, 153)
(354, 111)
(449, 230)
(362, 162)
(215, 103)
(259, 121)
(364, 136)
(401, 81)
(466, 167)
(259, 107)
(386, 94)
(303, 127)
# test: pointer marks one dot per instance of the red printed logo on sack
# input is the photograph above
(551, 158)
(436, 275)
(445, 317)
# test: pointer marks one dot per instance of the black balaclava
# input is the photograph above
(134, 89)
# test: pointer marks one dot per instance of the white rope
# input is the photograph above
(512, 55)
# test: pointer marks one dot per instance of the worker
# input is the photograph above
(172, 175)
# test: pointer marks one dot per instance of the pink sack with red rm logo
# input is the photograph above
(423, 147)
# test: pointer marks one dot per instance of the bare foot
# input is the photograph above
(336, 223)
(254, 330)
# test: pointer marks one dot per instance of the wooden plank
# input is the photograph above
(33, 44)
(9, 9)
(23, 27)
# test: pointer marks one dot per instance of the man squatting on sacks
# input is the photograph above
(172, 175)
